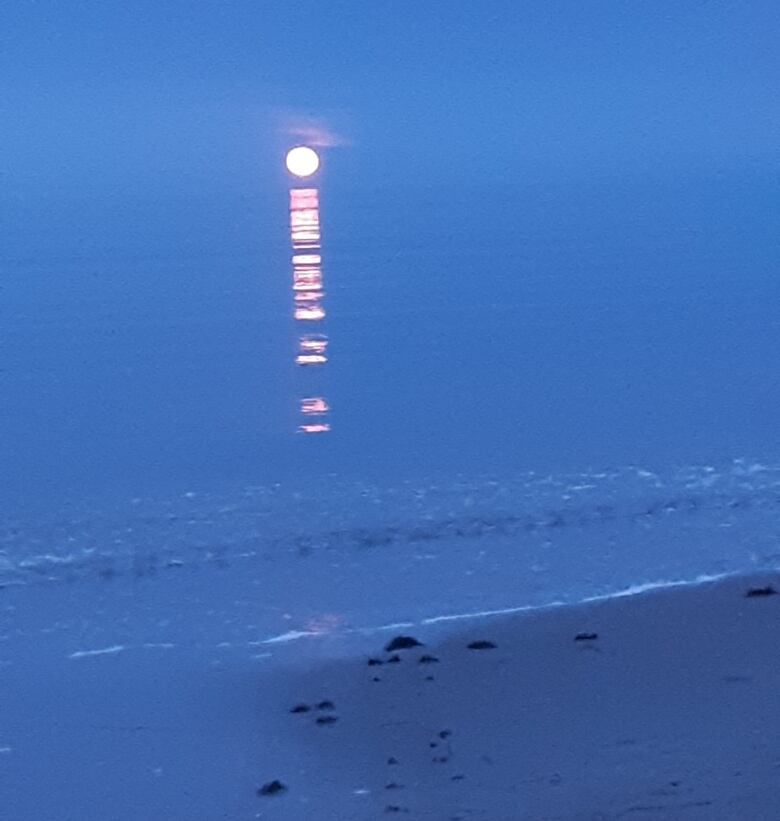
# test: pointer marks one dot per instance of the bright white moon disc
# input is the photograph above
(302, 161)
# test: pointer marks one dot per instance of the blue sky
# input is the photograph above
(103, 97)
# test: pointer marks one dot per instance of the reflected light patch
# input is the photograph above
(314, 406)
(310, 359)
(323, 427)
(312, 343)
(308, 295)
(303, 198)
(311, 313)
(302, 161)
(307, 282)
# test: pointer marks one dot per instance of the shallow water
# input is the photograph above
(285, 561)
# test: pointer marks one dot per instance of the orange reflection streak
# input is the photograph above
(308, 295)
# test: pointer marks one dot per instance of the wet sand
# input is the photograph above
(658, 705)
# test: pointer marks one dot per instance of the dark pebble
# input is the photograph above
(482, 645)
(300, 708)
(327, 720)
(326, 705)
(274, 787)
(757, 592)
(402, 643)
(428, 660)
(586, 636)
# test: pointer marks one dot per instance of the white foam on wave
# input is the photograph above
(633, 590)
(104, 651)
(293, 635)
(637, 589)
(290, 635)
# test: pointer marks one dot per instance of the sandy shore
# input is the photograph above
(658, 705)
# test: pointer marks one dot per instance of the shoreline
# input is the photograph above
(655, 705)
(659, 704)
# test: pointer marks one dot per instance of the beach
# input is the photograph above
(656, 704)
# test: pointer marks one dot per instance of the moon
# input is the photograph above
(302, 161)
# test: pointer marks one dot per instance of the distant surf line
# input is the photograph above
(148, 546)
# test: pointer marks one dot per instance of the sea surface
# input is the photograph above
(569, 336)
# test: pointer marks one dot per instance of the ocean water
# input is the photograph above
(545, 328)
(530, 338)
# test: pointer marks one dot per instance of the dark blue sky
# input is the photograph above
(105, 97)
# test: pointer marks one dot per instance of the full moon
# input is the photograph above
(302, 161)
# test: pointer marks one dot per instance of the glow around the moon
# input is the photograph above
(302, 161)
